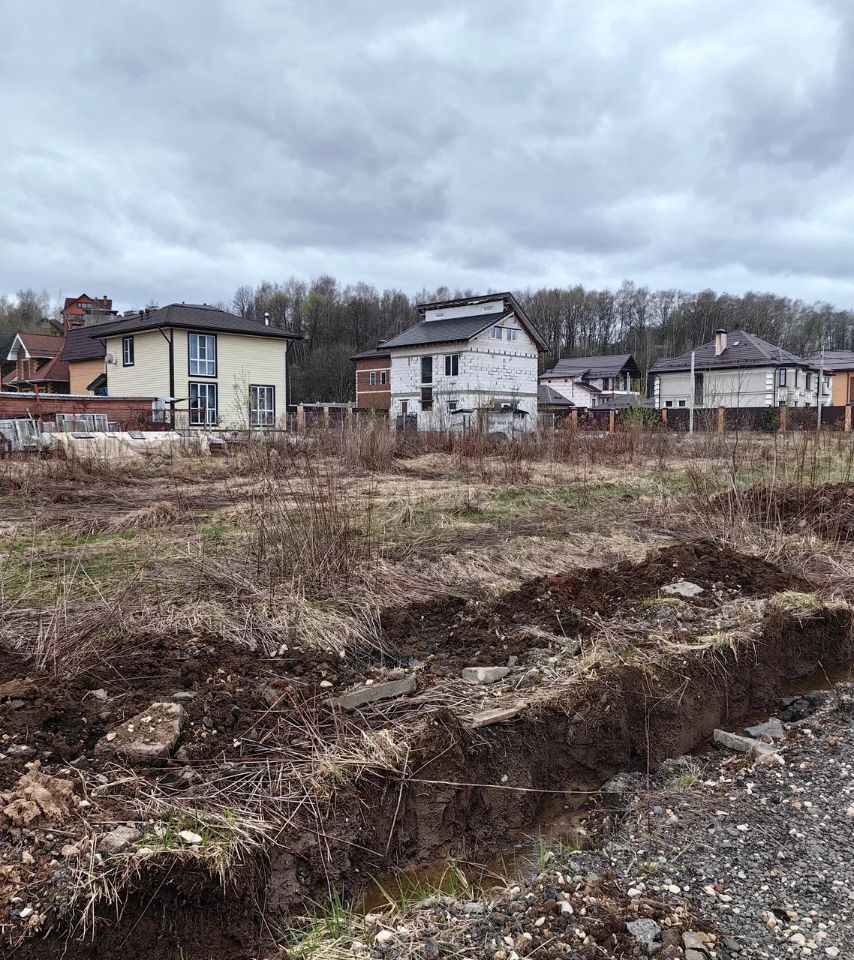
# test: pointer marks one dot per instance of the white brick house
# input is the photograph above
(469, 363)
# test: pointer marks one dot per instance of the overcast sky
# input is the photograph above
(173, 151)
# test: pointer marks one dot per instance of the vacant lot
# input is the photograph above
(199, 757)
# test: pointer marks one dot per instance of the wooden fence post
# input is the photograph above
(848, 409)
(573, 419)
(300, 418)
(784, 417)
(612, 421)
(326, 417)
(664, 416)
(721, 419)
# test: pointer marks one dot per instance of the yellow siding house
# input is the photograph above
(207, 367)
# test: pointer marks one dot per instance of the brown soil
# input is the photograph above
(455, 630)
(628, 716)
(827, 510)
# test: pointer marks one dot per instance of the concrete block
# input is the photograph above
(497, 715)
(361, 696)
(484, 674)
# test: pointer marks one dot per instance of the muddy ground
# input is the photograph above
(271, 800)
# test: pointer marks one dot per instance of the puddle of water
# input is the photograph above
(559, 825)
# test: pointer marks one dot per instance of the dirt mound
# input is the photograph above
(827, 510)
(455, 629)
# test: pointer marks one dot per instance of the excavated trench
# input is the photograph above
(460, 795)
(458, 799)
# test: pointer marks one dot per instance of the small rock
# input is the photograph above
(189, 837)
(773, 729)
(25, 913)
(117, 839)
(683, 588)
(645, 930)
(384, 936)
(159, 729)
(477, 675)
(732, 741)
(99, 694)
(832, 951)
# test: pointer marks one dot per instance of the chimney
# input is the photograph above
(720, 342)
(266, 318)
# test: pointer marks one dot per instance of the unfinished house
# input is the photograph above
(467, 364)
(596, 381)
(735, 370)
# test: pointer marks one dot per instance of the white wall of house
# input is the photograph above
(753, 387)
(573, 389)
(489, 370)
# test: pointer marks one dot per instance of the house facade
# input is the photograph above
(84, 357)
(595, 381)
(206, 367)
(466, 364)
(736, 370)
(373, 380)
(838, 367)
(38, 364)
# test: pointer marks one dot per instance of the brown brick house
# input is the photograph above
(373, 379)
(38, 363)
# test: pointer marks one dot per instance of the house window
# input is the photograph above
(426, 398)
(781, 377)
(698, 389)
(404, 407)
(203, 404)
(426, 369)
(668, 403)
(373, 379)
(452, 405)
(682, 403)
(512, 334)
(384, 378)
(202, 355)
(127, 351)
(495, 333)
(809, 381)
(262, 406)
(796, 376)
(452, 365)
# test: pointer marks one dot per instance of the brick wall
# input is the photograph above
(376, 396)
(129, 412)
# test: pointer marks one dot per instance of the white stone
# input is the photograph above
(683, 588)
(189, 837)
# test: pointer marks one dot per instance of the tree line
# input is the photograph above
(337, 321)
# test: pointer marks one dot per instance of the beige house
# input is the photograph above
(736, 369)
(206, 367)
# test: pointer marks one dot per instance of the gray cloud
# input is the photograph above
(177, 151)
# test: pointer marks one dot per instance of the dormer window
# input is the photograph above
(495, 333)
(512, 334)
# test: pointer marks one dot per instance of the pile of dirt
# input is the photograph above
(826, 510)
(454, 630)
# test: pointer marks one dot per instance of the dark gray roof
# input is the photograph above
(548, 396)
(743, 350)
(834, 360)
(190, 316)
(463, 328)
(445, 331)
(371, 354)
(592, 368)
(79, 345)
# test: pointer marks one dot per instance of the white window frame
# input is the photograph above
(262, 405)
(495, 333)
(202, 354)
(452, 360)
(512, 334)
(372, 378)
(127, 351)
(208, 415)
(781, 377)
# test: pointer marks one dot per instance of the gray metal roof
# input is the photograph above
(190, 316)
(593, 367)
(79, 345)
(743, 350)
(445, 331)
(834, 360)
(371, 354)
(548, 396)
